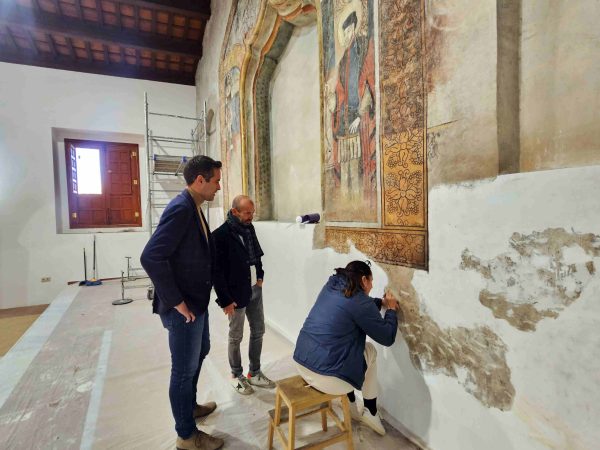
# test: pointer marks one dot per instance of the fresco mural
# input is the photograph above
(399, 235)
(349, 111)
(233, 135)
(373, 135)
(242, 20)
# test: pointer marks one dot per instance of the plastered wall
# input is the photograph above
(33, 102)
(497, 337)
(560, 104)
(295, 134)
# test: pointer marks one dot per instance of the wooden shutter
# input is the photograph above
(85, 210)
(122, 180)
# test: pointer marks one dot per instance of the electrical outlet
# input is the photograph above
(46, 279)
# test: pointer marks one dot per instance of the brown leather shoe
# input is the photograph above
(199, 440)
(204, 410)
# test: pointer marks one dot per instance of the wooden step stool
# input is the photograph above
(302, 400)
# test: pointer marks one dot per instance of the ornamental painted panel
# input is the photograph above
(403, 114)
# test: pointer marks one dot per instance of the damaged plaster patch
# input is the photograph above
(541, 274)
(476, 357)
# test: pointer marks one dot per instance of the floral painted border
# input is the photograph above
(406, 248)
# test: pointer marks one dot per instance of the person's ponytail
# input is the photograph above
(353, 273)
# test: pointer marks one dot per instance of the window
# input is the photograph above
(103, 184)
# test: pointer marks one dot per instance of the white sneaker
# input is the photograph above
(372, 421)
(260, 380)
(354, 412)
(240, 384)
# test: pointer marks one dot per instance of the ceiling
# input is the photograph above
(158, 40)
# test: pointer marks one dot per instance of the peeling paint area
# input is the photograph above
(538, 277)
(475, 357)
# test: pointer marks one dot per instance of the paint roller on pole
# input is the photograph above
(309, 218)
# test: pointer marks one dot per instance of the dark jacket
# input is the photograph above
(332, 339)
(178, 259)
(232, 274)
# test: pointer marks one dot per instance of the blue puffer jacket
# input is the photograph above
(332, 339)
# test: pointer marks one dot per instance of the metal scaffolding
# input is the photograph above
(167, 156)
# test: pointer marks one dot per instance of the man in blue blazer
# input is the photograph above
(179, 258)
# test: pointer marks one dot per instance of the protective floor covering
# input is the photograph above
(100, 380)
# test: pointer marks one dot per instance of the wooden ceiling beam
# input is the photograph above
(11, 38)
(88, 50)
(119, 21)
(186, 28)
(74, 28)
(106, 56)
(170, 25)
(57, 6)
(71, 49)
(154, 29)
(51, 44)
(136, 17)
(194, 9)
(78, 8)
(99, 12)
(32, 42)
(114, 69)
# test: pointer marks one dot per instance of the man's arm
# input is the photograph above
(260, 273)
(158, 250)
(224, 297)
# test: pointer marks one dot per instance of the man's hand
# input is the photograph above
(230, 309)
(354, 125)
(259, 283)
(185, 312)
(389, 301)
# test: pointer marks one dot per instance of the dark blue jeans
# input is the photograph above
(189, 344)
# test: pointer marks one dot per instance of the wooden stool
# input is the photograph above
(302, 400)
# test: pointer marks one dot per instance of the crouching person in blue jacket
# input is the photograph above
(331, 353)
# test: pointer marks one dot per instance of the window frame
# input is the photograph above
(73, 199)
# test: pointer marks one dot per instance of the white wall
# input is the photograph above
(207, 89)
(295, 132)
(33, 101)
(554, 370)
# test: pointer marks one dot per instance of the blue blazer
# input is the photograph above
(179, 259)
(332, 339)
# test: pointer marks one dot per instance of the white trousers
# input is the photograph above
(336, 386)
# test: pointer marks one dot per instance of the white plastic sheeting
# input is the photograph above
(127, 389)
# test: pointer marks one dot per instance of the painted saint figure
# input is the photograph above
(353, 123)
(232, 132)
